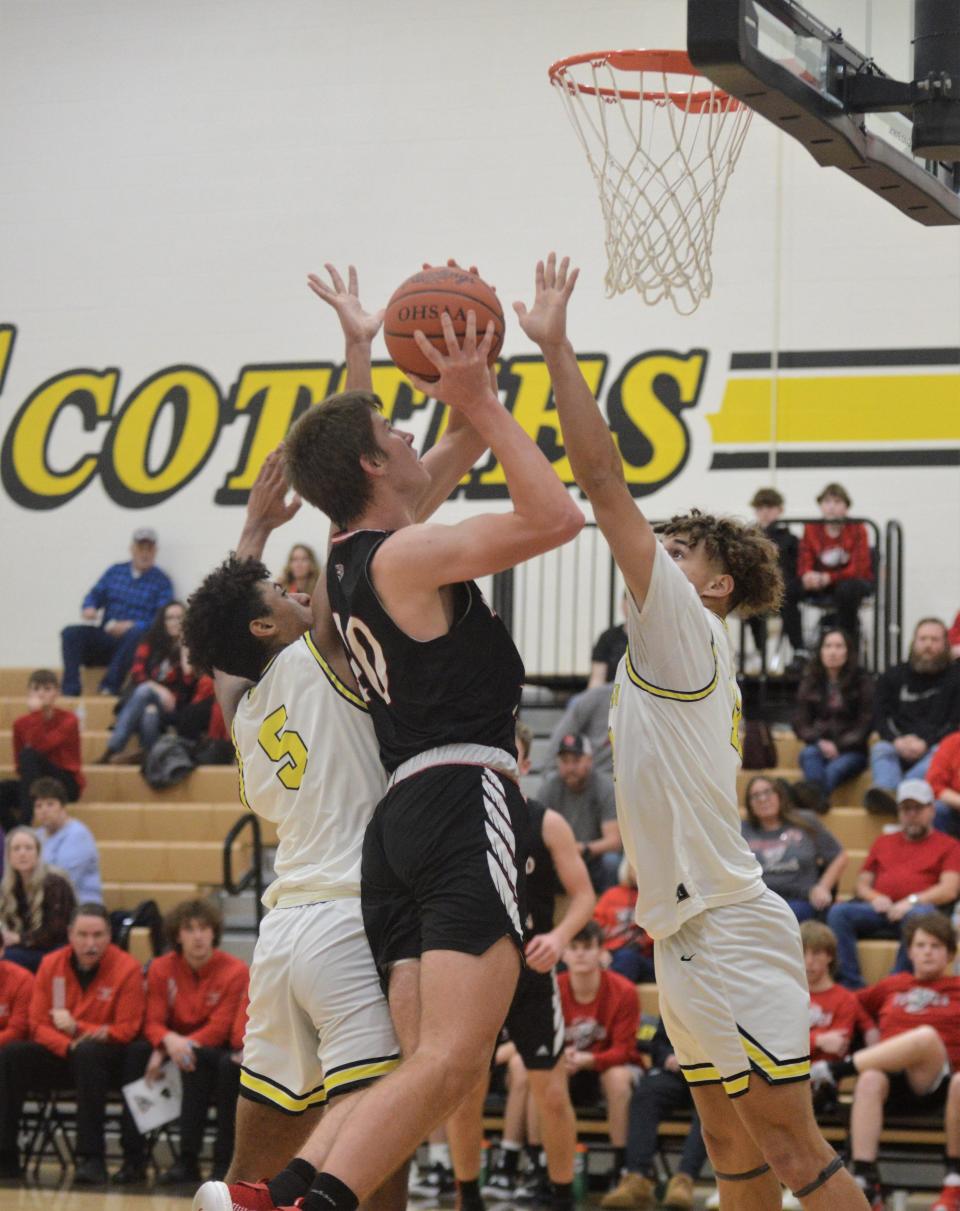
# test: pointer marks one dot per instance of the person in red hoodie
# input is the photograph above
(192, 996)
(834, 558)
(16, 987)
(87, 1006)
(601, 1013)
(909, 1070)
(943, 774)
(46, 744)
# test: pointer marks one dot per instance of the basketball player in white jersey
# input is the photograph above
(318, 1026)
(733, 991)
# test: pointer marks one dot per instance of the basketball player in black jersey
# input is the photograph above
(535, 1019)
(441, 881)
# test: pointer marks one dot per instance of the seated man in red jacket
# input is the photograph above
(601, 1012)
(193, 993)
(16, 987)
(87, 1006)
(834, 558)
(46, 744)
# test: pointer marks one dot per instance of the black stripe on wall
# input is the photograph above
(758, 459)
(823, 359)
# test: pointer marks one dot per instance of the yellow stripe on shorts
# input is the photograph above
(341, 1079)
(283, 1098)
(772, 1069)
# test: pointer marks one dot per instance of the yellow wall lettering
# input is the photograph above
(194, 399)
(28, 476)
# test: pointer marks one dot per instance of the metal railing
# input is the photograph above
(252, 877)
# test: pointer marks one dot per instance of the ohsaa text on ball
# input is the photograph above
(430, 311)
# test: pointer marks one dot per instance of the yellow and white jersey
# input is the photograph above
(675, 729)
(309, 762)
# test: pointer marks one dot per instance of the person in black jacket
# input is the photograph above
(916, 704)
(662, 1091)
(834, 714)
(767, 505)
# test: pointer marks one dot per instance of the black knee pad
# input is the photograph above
(822, 1177)
(742, 1177)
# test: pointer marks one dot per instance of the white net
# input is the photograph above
(661, 146)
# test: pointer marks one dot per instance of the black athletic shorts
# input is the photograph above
(441, 868)
(902, 1100)
(535, 1020)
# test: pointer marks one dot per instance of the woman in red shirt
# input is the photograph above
(163, 681)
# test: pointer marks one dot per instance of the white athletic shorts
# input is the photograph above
(733, 995)
(318, 1023)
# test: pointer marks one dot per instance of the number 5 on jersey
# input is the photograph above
(285, 747)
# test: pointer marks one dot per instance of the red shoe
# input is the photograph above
(241, 1196)
(949, 1199)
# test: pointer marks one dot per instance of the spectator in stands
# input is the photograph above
(16, 988)
(917, 703)
(906, 875)
(228, 1090)
(767, 505)
(87, 1006)
(834, 715)
(585, 799)
(46, 744)
(193, 993)
(35, 901)
(943, 774)
(608, 651)
(67, 844)
(834, 558)
(588, 714)
(301, 570)
(661, 1092)
(908, 1070)
(127, 596)
(953, 635)
(799, 859)
(162, 681)
(628, 945)
(601, 1014)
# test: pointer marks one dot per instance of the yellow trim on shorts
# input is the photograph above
(677, 695)
(341, 1079)
(772, 1069)
(343, 690)
(282, 1097)
(701, 1074)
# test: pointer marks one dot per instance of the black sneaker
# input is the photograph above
(875, 1197)
(90, 1172)
(469, 1202)
(879, 802)
(500, 1185)
(180, 1173)
(533, 1187)
(433, 1182)
(10, 1168)
(130, 1173)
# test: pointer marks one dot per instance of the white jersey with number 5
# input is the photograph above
(675, 730)
(309, 762)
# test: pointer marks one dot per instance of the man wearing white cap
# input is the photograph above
(912, 871)
(127, 597)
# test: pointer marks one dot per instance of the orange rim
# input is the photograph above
(667, 62)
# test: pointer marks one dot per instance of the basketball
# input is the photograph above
(421, 300)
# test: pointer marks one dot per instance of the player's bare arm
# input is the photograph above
(416, 561)
(544, 950)
(593, 454)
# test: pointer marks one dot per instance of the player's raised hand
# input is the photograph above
(546, 321)
(358, 325)
(464, 373)
(267, 504)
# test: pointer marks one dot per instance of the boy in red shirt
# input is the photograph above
(601, 1013)
(16, 988)
(193, 993)
(87, 1006)
(46, 744)
(630, 948)
(835, 1012)
(834, 557)
(909, 1070)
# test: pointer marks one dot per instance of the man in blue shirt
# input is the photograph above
(67, 843)
(128, 595)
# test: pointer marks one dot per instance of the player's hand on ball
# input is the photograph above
(543, 952)
(546, 322)
(358, 325)
(464, 376)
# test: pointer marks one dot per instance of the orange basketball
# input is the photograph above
(421, 300)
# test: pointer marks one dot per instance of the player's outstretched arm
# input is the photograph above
(545, 950)
(359, 327)
(543, 516)
(593, 454)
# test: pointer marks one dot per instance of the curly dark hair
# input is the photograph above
(323, 450)
(743, 551)
(216, 626)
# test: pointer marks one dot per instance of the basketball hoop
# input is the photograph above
(661, 141)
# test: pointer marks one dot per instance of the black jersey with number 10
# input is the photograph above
(462, 687)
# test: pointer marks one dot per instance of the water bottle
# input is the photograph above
(581, 1178)
(484, 1162)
